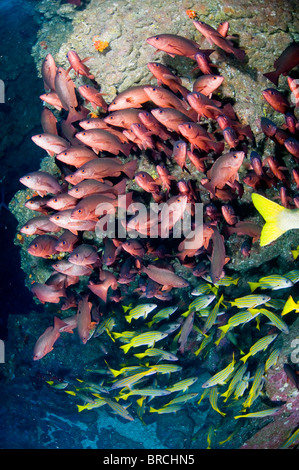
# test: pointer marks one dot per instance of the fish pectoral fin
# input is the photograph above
(166, 288)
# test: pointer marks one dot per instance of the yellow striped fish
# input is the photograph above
(166, 409)
(163, 314)
(272, 359)
(204, 288)
(212, 316)
(213, 397)
(182, 385)
(256, 386)
(132, 379)
(294, 437)
(275, 320)
(200, 302)
(260, 345)
(260, 414)
(166, 368)
(206, 340)
(238, 376)
(157, 352)
(239, 318)
(250, 301)
(119, 409)
(144, 339)
(143, 392)
(241, 387)
(273, 282)
(293, 275)
(140, 311)
(181, 399)
(221, 376)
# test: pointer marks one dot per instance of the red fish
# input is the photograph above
(146, 182)
(84, 323)
(218, 258)
(229, 214)
(46, 341)
(53, 99)
(225, 169)
(193, 242)
(62, 201)
(123, 117)
(207, 84)
(167, 278)
(48, 122)
(166, 99)
(174, 45)
(38, 203)
(214, 37)
(204, 106)
(132, 97)
(43, 246)
(151, 123)
(285, 62)
(294, 87)
(230, 137)
(106, 167)
(93, 96)
(63, 219)
(78, 65)
(134, 248)
(65, 89)
(39, 225)
(164, 76)
(88, 187)
(203, 62)
(292, 146)
(179, 153)
(199, 137)
(84, 255)
(41, 182)
(246, 227)
(47, 293)
(48, 72)
(76, 156)
(185, 331)
(170, 117)
(144, 135)
(70, 269)
(103, 140)
(86, 208)
(66, 242)
(53, 144)
(276, 100)
(107, 280)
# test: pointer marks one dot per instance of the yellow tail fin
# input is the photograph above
(253, 285)
(269, 210)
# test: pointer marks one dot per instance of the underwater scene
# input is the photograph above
(149, 224)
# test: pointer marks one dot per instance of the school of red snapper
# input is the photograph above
(97, 156)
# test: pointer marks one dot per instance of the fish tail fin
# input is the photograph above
(130, 168)
(127, 307)
(224, 328)
(128, 318)
(81, 407)
(289, 306)
(270, 211)
(272, 76)
(126, 149)
(235, 281)
(253, 286)
(152, 410)
(244, 358)
(126, 347)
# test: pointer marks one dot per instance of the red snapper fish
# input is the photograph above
(285, 63)
(199, 137)
(123, 117)
(84, 323)
(84, 255)
(78, 65)
(65, 267)
(48, 72)
(46, 341)
(43, 246)
(53, 99)
(48, 293)
(168, 279)
(53, 144)
(65, 89)
(276, 100)
(214, 37)
(63, 219)
(207, 84)
(101, 289)
(170, 117)
(174, 44)
(93, 96)
(103, 140)
(76, 155)
(66, 242)
(166, 99)
(41, 182)
(39, 225)
(164, 76)
(104, 168)
(224, 170)
(132, 97)
(62, 201)
(48, 122)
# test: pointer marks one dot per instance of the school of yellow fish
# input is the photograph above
(174, 128)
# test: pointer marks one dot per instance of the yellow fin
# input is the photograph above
(253, 285)
(269, 210)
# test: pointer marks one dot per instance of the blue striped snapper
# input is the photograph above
(144, 339)
(200, 302)
(166, 409)
(272, 359)
(242, 386)
(181, 399)
(293, 275)
(131, 380)
(224, 281)
(273, 282)
(213, 397)
(239, 318)
(204, 288)
(119, 409)
(290, 440)
(157, 352)
(182, 385)
(139, 311)
(257, 385)
(260, 345)
(212, 316)
(237, 377)
(221, 377)
(275, 320)
(260, 414)
(163, 314)
(250, 301)
(143, 392)
(90, 406)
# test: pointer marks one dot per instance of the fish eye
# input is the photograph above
(57, 217)
(157, 37)
(235, 156)
(64, 242)
(35, 245)
(83, 171)
(64, 153)
(28, 177)
(76, 190)
(154, 89)
(79, 211)
(189, 126)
